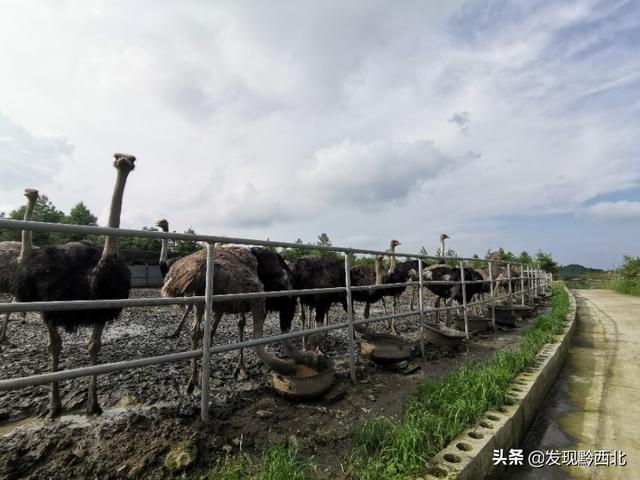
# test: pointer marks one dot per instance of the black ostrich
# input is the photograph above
(78, 271)
(398, 272)
(164, 262)
(11, 253)
(453, 290)
(318, 272)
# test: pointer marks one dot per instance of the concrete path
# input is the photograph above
(595, 404)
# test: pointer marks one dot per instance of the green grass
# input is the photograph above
(442, 409)
(628, 286)
(280, 462)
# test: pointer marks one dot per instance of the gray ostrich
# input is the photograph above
(11, 252)
(235, 271)
(165, 264)
(78, 271)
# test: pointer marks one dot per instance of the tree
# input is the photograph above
(185, 247)
(149, 244)
(79, 215)
(501, 255)
(546, 263)
(44, 211)
(291, 254)
(324, 241)
(525, 258)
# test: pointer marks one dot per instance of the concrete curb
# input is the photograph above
(470, 455)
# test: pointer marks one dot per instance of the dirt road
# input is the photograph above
(595, 405)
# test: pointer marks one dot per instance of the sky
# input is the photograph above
(500, 123)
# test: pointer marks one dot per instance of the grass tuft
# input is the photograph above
(440, 410)
(279, 462)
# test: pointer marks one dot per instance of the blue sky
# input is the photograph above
(511, 123)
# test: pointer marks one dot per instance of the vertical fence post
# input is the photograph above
(493, 301)
(510, 285)
(420, 299)
(464, 301)
(206, 340)
(352, 352)
(522, 284)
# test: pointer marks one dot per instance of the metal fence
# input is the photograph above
(536, 281)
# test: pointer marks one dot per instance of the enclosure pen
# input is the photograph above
(535, 277)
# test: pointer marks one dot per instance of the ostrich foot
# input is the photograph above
(54, 413)
(94, 409)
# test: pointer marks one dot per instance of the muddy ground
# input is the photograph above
(147, 411)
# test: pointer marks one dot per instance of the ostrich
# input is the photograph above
(78, 271)
(398, 272)
(318, 272)
(235, 271)
(275, 275)
(165, 264)
(11, 252)
(453, 290)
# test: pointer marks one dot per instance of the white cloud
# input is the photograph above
(614, 211)
(28, 159)
(238, 112)
(370, 175)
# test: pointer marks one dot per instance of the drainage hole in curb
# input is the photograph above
(437, 472)
(502, 409)
(493, 417)
(476, 435)
(486, 424)
(516, 389)
(452, 458)
(465, 447)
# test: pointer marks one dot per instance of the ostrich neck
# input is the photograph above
(27, 236)
(164, 250)
(442, 247)
(392, 261)
(378, 272)
(112, 243)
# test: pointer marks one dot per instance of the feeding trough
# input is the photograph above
(385, 349)
(523, 311)
(505, 315)
(476, 324)
(305, 384)
(442, 335)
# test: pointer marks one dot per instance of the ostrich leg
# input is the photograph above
(3, 328)
(176, 332)
(196, 335)
(55, 347)
(240, 372)
(437, 306)
(94, 349)
(393, 320)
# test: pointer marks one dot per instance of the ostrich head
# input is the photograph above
(31, 194)
(443, 237)
(393, 244)
(124, 162)
(163, 224)
(124, 165)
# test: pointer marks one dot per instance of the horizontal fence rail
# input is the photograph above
(529, 281)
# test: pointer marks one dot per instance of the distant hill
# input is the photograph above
(574, 270)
